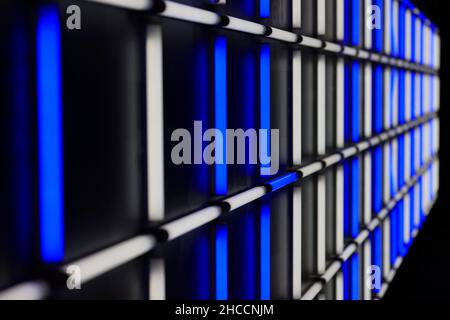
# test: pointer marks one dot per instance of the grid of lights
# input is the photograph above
(386, 142)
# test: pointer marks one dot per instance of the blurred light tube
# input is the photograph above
(237, 24)
(191, 222)
(220, 111)
(50, 139)
(221, 262)
(103, 261)
(188, 13)
(127, 4)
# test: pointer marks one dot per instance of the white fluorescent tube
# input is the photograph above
(332, 47)
(188, 13)
(33, 290)
(349, 152)
(311, 42)
(283, 35)
(103, 261)
(310, 169)
(237, 24)
(313, 291)
(127, 4)
(191, 222)
(332, 159)
(349, 51)
(245, 197)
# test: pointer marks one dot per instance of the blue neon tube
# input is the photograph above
(265, 251)
(265, 92)
(50, 140)
(220, 114)
(264, 8)
(221, 262)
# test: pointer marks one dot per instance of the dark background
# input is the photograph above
(423, 272)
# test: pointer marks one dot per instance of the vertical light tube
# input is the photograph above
(221, 262)
(296, 160)
(265, 171)
(50, 134)
(155, 149)
(155, 123)
(220, 111)
(265, 251)
(264, 8)
(265, 99)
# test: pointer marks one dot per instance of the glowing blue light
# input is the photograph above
(220, 114)
(221, 262)
(264, 8)
(265, 251)
(283, 181)
(50, 134)
(378, 33)
(265, 92)
(377, 251)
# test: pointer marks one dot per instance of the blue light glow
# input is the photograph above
(264, 8)
(377, 251)
(220, 114)
(265, 251)
(377, 34)
(283, 181)
(51, 202)
(221, 262)
(265, 93)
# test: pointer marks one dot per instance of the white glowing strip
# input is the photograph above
(417, 95)
(297, 243)
(313, 291)
(155, 121)
(373, 224)
(348, 251)
(387, 29)
(283, 35)
(191, 222)
(437, 51)
(437, 91)
(332, 270)
(349, 152)
(321, 224)
(321, 105)
(417, 40)
(363, 54)
(427, 45)
(417, 149)
(332, 47)
(340, 100)
(311, 42)
(362, 237)
(157, 280)
(33, 290)
(106, 260)
(296, 14)
(245, 26)
(339, 286)
(395, 26)
(245, 197)
(188, 13)
(407, 158)
(128, 4)
(408, 110)
(321, 17)
(331, 160)
(367, 188)
(387, 98)
(386, 246)
(368, 31)
(386, 173)
(368, 100)
(339, 190)
(367, 262)
(340, 16)
(406, 219)
(296, 107)
(310, 169)
(349, 51)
